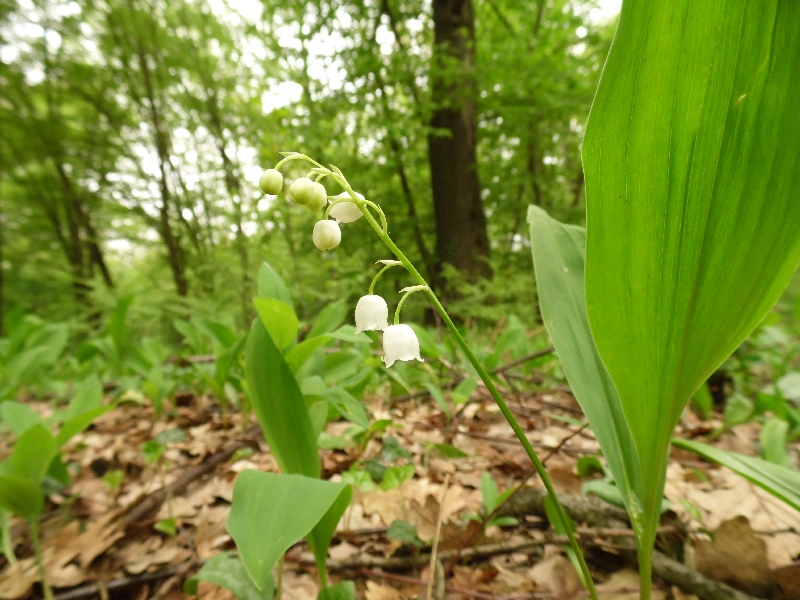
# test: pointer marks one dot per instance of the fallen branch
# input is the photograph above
(153, 502)
(496, 371)
(597, 513)
(98, 591)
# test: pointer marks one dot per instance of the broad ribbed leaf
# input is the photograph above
(279, 405)
(270, 512)
(558, 259)
(279, 319)
(781, 482)
(230, 573)
(692, 163)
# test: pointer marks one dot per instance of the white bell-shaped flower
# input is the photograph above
(371, 313)
(271, 181)
(400, 343)
(327, 235)
(346, 212)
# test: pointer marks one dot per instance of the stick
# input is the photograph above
(495, 371)
(152, 502)
(434, 550)
(595, 512)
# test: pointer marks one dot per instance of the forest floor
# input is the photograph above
(100, 541)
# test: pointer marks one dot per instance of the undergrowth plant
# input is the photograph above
(691, 158)
(270, 512)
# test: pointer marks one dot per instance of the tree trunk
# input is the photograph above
(461, 237)
(175, 253)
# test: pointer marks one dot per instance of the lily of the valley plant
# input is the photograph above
(371, 312)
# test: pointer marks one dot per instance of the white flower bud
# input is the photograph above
(327, 235)
(400, 343)
(319, 197)
(346, 212)
(301, 191)
(271, 181)
(371, 314)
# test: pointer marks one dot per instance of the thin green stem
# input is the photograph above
(383, 232)
(487, 380)
(5, 532)
(297, 157)
(37, 550)
(378, 276)
(418, 288)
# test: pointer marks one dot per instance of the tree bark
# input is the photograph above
(461, 236)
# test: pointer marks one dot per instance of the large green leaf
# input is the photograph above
(692, 164)
(78, 423)
(781, 482)
(279, 405)
(270, 285)
(19, 417)
(31, 455)
(558, 259)
(279, 319)
(270, 512)
(21, 496)
(329, 319)
(229, 572)
(87, 396)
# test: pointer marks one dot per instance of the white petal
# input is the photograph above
(346, 195)
(400, 343)
(345, 212)
(327, 235)
(372, 314)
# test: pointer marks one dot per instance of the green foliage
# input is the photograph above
(781, 482)
(344, 590)
(692, 222)
(229, 572)
(271, 512)
(558, 258)
(279, 405)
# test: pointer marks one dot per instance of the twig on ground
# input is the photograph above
(94, 590)
(595, 512)
(435, 549)
(459, 379)
(152, 502)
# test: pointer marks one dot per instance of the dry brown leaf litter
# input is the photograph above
(85, 539)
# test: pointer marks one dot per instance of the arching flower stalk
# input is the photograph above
(399, 340)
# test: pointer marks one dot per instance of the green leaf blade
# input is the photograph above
(279, 405)
(270, 512)
(692, 164)
(781, 482)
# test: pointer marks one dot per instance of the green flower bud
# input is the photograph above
(301, 191)
(271, 182)
(319, 197)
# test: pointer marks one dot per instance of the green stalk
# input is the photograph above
(487, 380)
(5, 533)
(383, 232)
(37, 550)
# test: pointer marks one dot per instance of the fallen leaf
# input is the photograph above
(627, 579)
(555, 574)
(376, 591)
(735, 556)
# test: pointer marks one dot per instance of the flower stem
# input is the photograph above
(383, 232)
(37, 550)
(378, 276)
(487, 380)
(5, 533)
